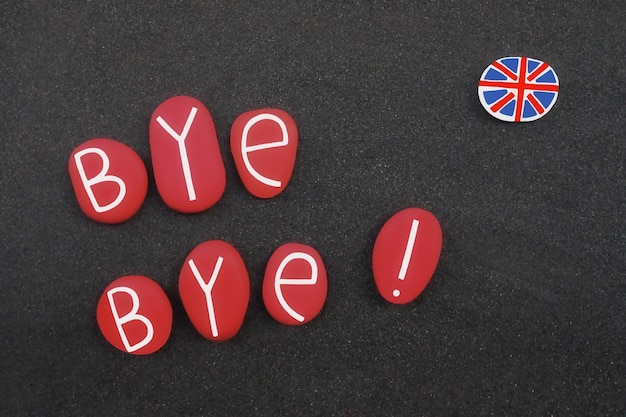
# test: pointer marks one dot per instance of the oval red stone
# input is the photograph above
(188, 167)
(295, 284)
(135, 315)
(405, 255)
(110, 180)
(264, 144)
(215, 289)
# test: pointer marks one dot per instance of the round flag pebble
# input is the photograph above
(135, 315)
(518, 89)
(295, 285)
(406, 253)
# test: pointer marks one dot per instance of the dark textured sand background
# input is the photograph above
(525, 315)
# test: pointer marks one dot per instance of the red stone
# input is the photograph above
(109, 179)
(215, 289)
(188, 167)
(135, 315)
(264, 144)
(295, 284)
(405, 255)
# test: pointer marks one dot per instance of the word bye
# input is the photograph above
(135, 316)
(110, 179)
(215, 289)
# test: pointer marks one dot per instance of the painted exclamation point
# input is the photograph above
(407, 254)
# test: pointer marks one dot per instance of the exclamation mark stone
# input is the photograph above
(402, 264)
(407, 254)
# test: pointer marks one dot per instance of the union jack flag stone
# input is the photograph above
(518, 89)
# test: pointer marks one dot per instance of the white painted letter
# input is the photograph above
(100, 177)
(207, 288)
(182, 149)
(278, 280)
(245, 149)
(130, 316)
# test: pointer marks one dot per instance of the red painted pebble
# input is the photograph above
(295, 284)
(109, 180)
(188, 167)
(264, 144)
(215, 289)
(406, 253)
(135, 315)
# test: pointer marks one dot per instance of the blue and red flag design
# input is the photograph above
(518, 89)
